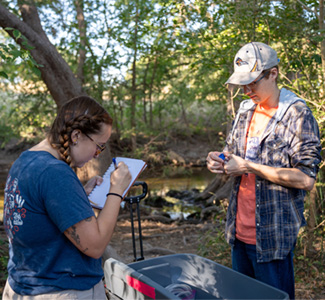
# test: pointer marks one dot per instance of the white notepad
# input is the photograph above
(98, 194)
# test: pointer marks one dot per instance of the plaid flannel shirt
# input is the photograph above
(291, 140)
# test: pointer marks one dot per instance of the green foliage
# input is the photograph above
(183, 51)
(6, 129)
(10, 53)
(310, 265)
(25, 116)
(213, 245)
(173, 57)
(3, 258)
(170, 171)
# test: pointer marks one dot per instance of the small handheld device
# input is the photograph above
(222, 156)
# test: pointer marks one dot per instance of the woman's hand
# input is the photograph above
(92, 235)
(89, 186)
(120, 179)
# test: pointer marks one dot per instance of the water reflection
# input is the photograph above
(196, 178)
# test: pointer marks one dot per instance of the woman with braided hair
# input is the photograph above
(55, 240)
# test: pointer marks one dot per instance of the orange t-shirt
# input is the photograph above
(245, 218)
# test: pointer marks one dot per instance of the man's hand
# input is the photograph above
(235, 166)
(288, 177)
(215, 163)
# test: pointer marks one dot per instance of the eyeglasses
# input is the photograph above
(253, 84)
(100, 148)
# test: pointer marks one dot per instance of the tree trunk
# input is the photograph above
(230, 108)
(144, 91)
(55, 72)
(134, 77)
(184, 117)
(218, 189)
(311, 221)
(82, 39)
(322, 45)
(151, 88)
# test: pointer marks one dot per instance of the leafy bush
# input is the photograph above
(25, 116)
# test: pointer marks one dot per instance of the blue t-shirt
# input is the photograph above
(43, 198)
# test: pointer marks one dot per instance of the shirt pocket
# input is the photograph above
(277, 152)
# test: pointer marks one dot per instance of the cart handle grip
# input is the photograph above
(138, 198)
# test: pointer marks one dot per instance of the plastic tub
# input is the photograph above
(165, 277)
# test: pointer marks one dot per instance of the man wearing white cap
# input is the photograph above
(273, 151)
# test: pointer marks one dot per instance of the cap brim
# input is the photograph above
(243, 78)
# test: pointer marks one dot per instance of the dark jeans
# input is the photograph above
(277, 273)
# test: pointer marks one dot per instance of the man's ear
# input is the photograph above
(75, 135)
(274, 73)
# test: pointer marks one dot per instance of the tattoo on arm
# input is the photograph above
(73, 233)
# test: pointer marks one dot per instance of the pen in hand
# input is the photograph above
(114, 162)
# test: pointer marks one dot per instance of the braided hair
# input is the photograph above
(82, 113)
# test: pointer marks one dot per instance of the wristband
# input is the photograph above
(114, 194)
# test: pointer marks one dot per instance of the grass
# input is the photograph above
(4, 255)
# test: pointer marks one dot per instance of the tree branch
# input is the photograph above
(55, 72)
(308, 9)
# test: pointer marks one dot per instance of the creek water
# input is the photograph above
(158, 185)
(196, 178)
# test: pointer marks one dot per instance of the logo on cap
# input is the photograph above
(240, 62)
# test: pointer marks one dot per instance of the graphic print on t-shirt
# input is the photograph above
(252, 148)
(257, 126)
(14, 212)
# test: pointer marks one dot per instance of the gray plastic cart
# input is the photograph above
(205, 279)
(178, 276)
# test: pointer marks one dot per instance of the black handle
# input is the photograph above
(138, 198)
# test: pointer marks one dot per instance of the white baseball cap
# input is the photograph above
(250, 61)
